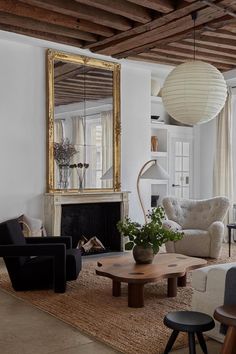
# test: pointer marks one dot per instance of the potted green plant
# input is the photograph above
(145, 240)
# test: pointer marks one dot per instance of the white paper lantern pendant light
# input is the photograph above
(194, 92)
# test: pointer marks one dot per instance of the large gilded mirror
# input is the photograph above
(83, 123)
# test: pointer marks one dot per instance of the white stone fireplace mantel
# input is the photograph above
(54, 201)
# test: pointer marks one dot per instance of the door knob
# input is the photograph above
(176, 185)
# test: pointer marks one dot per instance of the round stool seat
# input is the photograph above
(226, 314)
(189, 321)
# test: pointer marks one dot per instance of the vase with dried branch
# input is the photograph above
(80, 169)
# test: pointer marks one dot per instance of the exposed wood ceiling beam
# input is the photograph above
(231, 27)
(220, 65)
(176, 60)
(18, 8)
(150, 38)
(205, 48)
(73, 8)
(147, 27)
(227, 10)
(35, 25)
(189, 55)
(121, 7)
(220, 42)
(42, 35)
(220, 34)
(158, 30)
(164, 6)
(174, 38)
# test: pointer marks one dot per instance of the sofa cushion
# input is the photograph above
(203, 277)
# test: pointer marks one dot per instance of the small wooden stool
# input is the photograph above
(227, 315)
(191, 322)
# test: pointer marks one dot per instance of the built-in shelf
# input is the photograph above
(158, 153)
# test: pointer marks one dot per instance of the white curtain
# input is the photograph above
(78, 139)
(223, 166)
(107, 145)
(58, 130)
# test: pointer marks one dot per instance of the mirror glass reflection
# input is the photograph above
(83, 126)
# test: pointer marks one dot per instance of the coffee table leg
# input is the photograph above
(182, 281)
(172, 287)
(116, 288)
(135, 295)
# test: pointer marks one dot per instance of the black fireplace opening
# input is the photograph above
(92, 220)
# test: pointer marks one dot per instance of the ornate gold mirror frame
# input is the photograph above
(52, 57)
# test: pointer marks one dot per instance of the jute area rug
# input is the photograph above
(88, 306)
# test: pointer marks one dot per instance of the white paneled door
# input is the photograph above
(181, 167)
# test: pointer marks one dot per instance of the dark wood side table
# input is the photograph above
(230, 227)
(227, 315)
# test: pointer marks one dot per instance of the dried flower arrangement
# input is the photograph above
(63, 152)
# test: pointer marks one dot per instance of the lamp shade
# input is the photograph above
(155, 171)
(194, 92)
(108, 174)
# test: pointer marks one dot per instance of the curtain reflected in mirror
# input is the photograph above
(83, 126)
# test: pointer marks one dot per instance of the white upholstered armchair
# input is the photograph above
(201, 223)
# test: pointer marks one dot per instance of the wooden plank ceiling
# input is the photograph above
(159, 31)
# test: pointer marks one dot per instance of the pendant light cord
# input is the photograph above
(194, 17)
(194, 39)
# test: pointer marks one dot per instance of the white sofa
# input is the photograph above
(208, 294)
(201, 223)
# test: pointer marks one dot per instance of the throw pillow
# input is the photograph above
(32, 226)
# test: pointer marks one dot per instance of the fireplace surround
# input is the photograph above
(87, 214)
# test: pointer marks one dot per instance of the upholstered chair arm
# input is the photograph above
(174, 226)
(67, 240)
(216, 232)
(171, 225)
(57, 251)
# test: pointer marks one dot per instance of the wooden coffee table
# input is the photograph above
(122, 268)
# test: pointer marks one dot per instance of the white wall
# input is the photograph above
(23, 126)
(207, 147)
(135, 113)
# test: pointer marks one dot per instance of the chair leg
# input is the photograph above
(171, 341)
(60, 273)
(191, 343)
(230, 341)
(202, 342)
